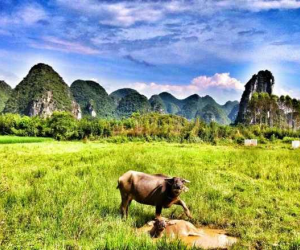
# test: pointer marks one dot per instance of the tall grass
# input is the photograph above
(63, 195)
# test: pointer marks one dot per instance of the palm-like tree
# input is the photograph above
(273, 109)
(295, 113)
(288, 107)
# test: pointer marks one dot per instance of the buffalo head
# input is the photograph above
(177, 184)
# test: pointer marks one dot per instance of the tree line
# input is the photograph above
(282, 112)
(147, 127)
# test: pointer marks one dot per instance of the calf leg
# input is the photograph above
(186, 210)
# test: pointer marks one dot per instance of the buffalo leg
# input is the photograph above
(124, 205)
(186, 210)
(158, 211)
(129, 202)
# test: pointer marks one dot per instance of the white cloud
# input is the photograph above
(25, 15)
(122, 14)
(31, 14)
(250, 5)
(127, 13)
(221, 81)
(260, 5)
(52, 43)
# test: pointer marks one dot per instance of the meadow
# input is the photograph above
(62, 195)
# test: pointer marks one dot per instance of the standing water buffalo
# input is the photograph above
(157, 190)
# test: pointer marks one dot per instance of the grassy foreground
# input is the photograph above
(58, 195)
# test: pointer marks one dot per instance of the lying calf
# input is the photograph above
(173, 228)
(157, 190)
(189, 234)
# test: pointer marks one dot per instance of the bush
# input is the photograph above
(289, 139)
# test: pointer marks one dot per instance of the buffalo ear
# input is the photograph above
(170, 181)
(186, 181)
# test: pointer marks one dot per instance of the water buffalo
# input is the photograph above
(156, 190)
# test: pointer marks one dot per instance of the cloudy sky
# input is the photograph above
(181, 46)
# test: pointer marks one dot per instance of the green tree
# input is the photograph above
(63, 126)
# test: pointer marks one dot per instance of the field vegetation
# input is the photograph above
(22, 139)
(147, 127)
(62, 195)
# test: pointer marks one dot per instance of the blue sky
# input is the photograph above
(184, 47)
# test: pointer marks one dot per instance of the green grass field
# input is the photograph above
(7, 139)
(57, 195)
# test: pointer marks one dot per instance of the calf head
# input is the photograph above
(177, 185)
(160, 224)
(158, 227)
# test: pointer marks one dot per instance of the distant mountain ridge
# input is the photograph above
(43, 91)
(194, 106)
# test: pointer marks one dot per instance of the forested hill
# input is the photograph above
(93, 99)
(40, 93)
(44, 91)
(260, 106)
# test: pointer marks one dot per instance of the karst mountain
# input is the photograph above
(44, 91)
